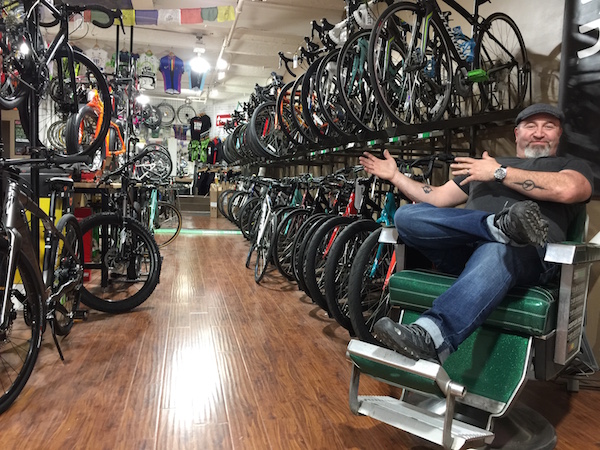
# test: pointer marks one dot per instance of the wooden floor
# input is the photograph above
(214, 361)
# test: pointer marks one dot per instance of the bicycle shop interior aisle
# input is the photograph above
(213, 360)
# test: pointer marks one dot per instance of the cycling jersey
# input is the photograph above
(171, 68)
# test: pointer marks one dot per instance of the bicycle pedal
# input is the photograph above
(477, 76)
(81, 314)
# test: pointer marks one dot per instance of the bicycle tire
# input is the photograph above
(185, 113)
(265, 137)
(328, 95)
(155, 166)
(167, 223)
(312, 109)
(122, 272)
(316, 255)
(23, 338)
(223, 201)
(368, 301)
(501, 52)
(72, 132)
(246, 219)
(300, 246)
(356, 94)
(411, 87)
(66, 267)
(167, 114)
(337, 269)
(263, 248)
(286, 232)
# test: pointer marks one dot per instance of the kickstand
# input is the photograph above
(60, 353)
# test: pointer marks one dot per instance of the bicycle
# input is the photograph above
(416, 63)
(33, 296)
(162, 218)
(124, 264)
(375, 262)
(45, 82)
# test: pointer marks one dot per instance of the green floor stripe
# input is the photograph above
(199, 232)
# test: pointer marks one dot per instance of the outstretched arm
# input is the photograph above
(566, 186)
(447, 195)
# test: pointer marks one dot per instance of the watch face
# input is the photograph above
(500, 174)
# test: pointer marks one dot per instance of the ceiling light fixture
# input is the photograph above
(220, 75)
(198, 64)
(222, 64)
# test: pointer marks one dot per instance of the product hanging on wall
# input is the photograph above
(147, 66)
(172, 68)
(200, 125)
(98, 56)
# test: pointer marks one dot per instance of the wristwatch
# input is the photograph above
(500, 174)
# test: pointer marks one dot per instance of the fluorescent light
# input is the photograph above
(221, 64)
(199, 65)
(142, 99)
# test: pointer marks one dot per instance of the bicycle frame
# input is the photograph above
(19, 237)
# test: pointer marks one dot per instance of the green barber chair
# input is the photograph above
(470, 401)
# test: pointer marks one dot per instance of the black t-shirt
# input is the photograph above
(494, 197)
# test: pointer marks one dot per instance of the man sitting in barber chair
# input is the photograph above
(514, 206)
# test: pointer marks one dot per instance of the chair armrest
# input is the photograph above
(572, 253)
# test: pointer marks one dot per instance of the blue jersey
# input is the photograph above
(172, 69)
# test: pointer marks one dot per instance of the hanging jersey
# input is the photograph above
(196, 80)
(171, 68)
(200, 125)
(124, 60)
(98, 57)
(147, 66)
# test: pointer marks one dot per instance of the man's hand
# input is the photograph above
(475, 169)
(385, 169)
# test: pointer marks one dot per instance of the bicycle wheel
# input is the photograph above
(337, 269)
(263, 247)
(368, 292)
(125, 268)
(411, 79)
(166, 113)
(284, 241)
(266, 138)
(185, 113)
(356, 94)
(66, 269)
(22, 336)
(500, 51)
(155, 166)
(84, 132)
(167, 224)
(247, 216)
(316, 255)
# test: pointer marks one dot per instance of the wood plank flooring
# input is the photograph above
(214, 361)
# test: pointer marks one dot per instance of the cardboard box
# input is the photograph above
(215, 190)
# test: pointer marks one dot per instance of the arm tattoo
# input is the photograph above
(529, 185)
(427, 189)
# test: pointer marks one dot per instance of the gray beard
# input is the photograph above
(537, 151)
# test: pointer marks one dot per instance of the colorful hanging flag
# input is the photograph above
(146, 16)
(210, 14)
(225, 13)
(128, 18)
(169, 17)
(191, 15)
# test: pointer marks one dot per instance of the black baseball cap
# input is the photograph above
(540, 108)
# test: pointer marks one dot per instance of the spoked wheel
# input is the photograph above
(67, 268)
(501, 53)
(412, 79)
(167, 224)
(125, 263)
(263, 248)
(155, 166)
(21, 337)
(368, 288)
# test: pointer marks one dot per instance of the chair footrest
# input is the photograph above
(422, 423)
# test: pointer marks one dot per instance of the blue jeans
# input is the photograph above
(459, 242)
